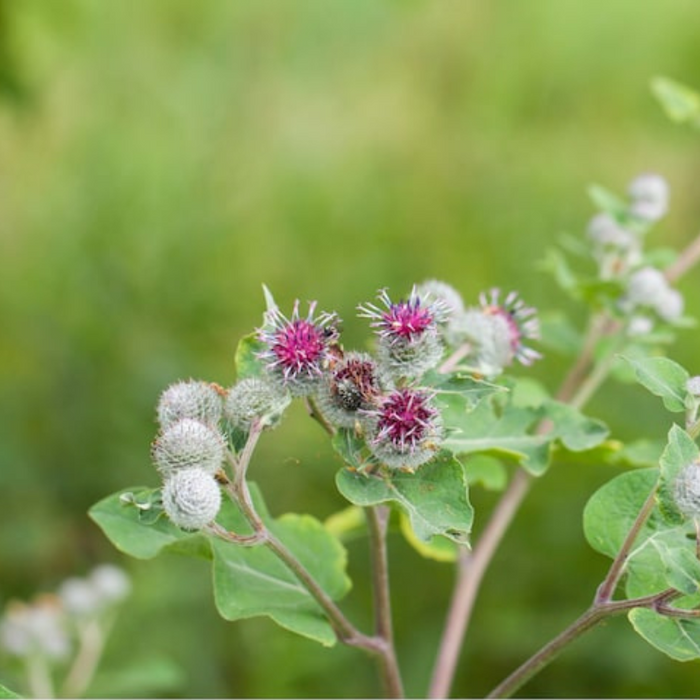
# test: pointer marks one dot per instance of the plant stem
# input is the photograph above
(607, 588)
(377, 521)
(39, 676)
(92, 638)
(685, 261)
(595, 614)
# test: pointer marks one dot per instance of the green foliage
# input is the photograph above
(513, 432)
(247, 361)
(664, 378)
(677, 638)
(248, 581)
(435, 497)
(681, 103)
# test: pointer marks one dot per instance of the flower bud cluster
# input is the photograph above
(687, 490)
(188, 452)
(47, 627)
(380, 394)
(618, 247)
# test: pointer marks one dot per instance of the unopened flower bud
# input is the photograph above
(191, 498)
(646, 287)
(639, 326)
(650, 195)
(687, 490)
(187, 444)
(35, 629)
(693, 386)
(670, 305)
(603, 230)
(191, 399)
(254, 399)
(111, 583)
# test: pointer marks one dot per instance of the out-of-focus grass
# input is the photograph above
(165, 159)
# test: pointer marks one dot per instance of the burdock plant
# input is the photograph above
(406, 416)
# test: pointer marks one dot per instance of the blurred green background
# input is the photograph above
(159, 160)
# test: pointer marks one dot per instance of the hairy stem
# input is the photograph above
(595, 614)
(688, 258)
(377, 521)
(607, 588)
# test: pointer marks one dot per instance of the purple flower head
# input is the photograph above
(409, 343)
(521, 322)
(405, 320)
(405, 429)
(297, 348)
(351, 386)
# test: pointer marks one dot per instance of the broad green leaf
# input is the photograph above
(438, 547)
(487, 471)
(680, 451)
(352, 449)
(459, 387)
(677, 638)
(528, 392)
(513, 432)
(659, 558)
(123, 524)
(248, 364)
(435, 496)
(7, 693)
(252, 581)
(681, 103)
(664, 378)
(347, 524)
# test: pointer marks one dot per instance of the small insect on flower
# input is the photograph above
(408, 340)
(352, 384)
(520, 321)
(297, 348)
(405, 431)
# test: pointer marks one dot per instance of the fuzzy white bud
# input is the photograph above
(693, 386)
(191, 498)
(603, 230)
(191, 399)
(38, 628)
(687, 490)
(437, 290)
(187, 444)
(650, 195)
(254, 399)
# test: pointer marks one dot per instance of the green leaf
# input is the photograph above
(681, 103)
(347, 524)
(248, 364)
(680, 451)
(438, 548)
(664, 378)
(459, 388)
(123, 524)
(253, 581)
(352, 449)
(7, 693)
(435, 496)
(677, 638)
(513, 432)
(608, 201)
(487, 471)
(662, 555)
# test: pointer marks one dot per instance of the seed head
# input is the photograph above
(189, 399)
(191, 498)
(297, 348)
(405, 430)
(352, 384)
(255, 398)
(408, 340)
(187, 444)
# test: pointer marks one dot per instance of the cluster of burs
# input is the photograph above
(618, 246)
(383, 397)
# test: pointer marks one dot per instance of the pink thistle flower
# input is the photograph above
(297, 348)
(521, 322)
(409, 343)
(404, 430)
